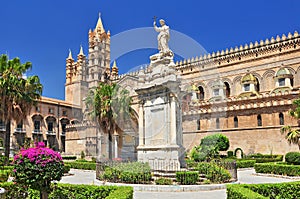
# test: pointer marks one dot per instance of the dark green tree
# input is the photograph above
(109, 105)
(17, 93)
(209, 147)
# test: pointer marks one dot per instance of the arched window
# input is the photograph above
(227, 91)
(92, 74)
(259, 120)
(281, 119)
(236, 122)
(257, 86)
(201, 93)
(217, 123)
(198, 125)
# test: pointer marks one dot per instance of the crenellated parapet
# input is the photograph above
(243, 53)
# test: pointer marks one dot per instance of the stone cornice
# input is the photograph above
(241, 104)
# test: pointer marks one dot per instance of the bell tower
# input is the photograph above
(98, 67)
(84, 73)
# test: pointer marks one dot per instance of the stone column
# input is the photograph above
(141, 125)
(115, 140)
(173, 121)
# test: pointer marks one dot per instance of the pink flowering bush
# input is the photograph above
(37, 167)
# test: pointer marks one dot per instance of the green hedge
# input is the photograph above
(82, 165)
(286, 190)
(131, 172)
(71, 191)
(241, 163)
(260, 158)
(279, 169)
(121, 193)
(69, 157)
(187, 177)
(239, 192)
(164, 181)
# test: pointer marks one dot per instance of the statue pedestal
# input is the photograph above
(160, 130)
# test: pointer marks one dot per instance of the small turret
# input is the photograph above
(69, 67)
(114, 70)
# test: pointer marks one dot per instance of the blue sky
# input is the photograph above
(42, 31)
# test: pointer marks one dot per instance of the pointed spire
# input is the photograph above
(70, 55)
(81, 51)
(114, 64)
(99, 26)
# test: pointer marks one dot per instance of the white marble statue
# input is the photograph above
(165, 54)
(163, 37)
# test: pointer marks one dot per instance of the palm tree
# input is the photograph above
(109, 105)
(293, 135)
(17, 93)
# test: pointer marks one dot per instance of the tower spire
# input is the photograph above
(99, 26)
(70, 55)
(81, 50)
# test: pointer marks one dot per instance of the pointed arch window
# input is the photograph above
(281, 119)
(259, 120)
(198, 125)
(201, 93)
(227, 89)
(236, 122)
(217, 123)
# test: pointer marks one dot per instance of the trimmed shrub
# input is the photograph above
(70, 191)
(279, 169)
(121, 193)
(239, 192)
(287, 190)
(187, 177)
(163, 181)
(82, 165)
(260, 158)
(213, 172)
(229, 154)
(132, 172)
(69, 157)
(293, 158)
(241, 163)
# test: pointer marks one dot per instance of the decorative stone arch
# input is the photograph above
(228, 85)
(292, 71)
(238, 151)
(259, 81)
(205, 90)
(237, 87)
(297, 77)
(268, 82)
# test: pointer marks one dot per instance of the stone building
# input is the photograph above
(46, 123)
(243, 92)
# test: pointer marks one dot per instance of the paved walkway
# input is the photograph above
(244, 176)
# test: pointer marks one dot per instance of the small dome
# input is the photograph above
(283, 72)
(249, 78)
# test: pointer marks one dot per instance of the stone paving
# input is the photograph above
(244, 176)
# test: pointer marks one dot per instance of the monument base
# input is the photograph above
(162, 158)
